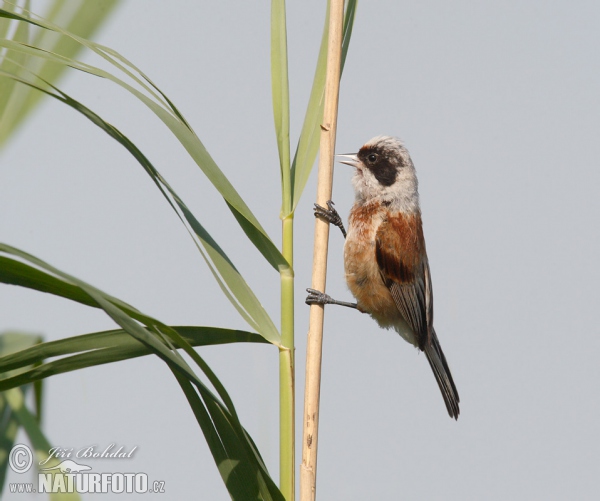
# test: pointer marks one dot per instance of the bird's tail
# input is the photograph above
(443, 376)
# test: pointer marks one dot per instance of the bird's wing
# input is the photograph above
(402, 260)
(403, 264)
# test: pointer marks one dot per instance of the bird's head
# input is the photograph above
(385, 173)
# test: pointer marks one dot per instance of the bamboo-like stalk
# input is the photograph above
(308, 469)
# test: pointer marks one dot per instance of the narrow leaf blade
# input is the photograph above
(173, 119)
(281, 96)
(85, 19)
(228, 277)
(308, 144)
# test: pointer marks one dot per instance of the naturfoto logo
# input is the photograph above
(71, 476)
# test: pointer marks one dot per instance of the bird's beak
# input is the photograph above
(352, 159)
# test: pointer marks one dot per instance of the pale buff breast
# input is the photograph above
(362, 271)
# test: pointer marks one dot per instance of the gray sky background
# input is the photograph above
(498, 104)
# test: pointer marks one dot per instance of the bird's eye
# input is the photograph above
(372, 158)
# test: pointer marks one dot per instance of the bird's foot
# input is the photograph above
(317, 297)
(330, 215)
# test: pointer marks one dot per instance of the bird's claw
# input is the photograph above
(317, 297)
(330, 215)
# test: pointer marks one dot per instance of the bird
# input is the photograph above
(385, 260)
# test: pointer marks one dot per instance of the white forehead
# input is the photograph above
(385, 142)
(390, 147)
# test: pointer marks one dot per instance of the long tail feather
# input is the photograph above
(443, 376)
